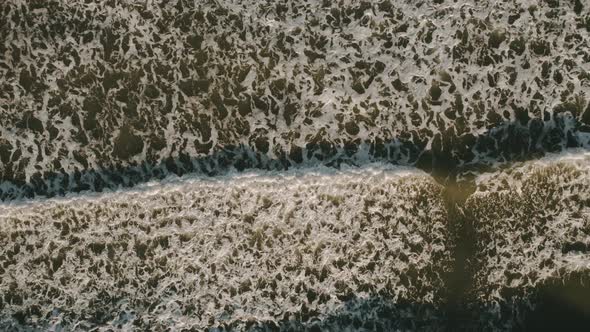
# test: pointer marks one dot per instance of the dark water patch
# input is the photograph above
(451, 156)
(459, 283)
(560, 304)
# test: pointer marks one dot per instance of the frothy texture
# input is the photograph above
(231, 253)
(108, 93)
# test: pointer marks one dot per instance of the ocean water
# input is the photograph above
(294, 165)
(532, 225)
(224, 252)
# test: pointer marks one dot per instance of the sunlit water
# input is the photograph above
(307, 165)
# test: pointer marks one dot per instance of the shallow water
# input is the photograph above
(202, 253)
(435, 151)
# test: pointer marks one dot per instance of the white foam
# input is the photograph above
(225, 244)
